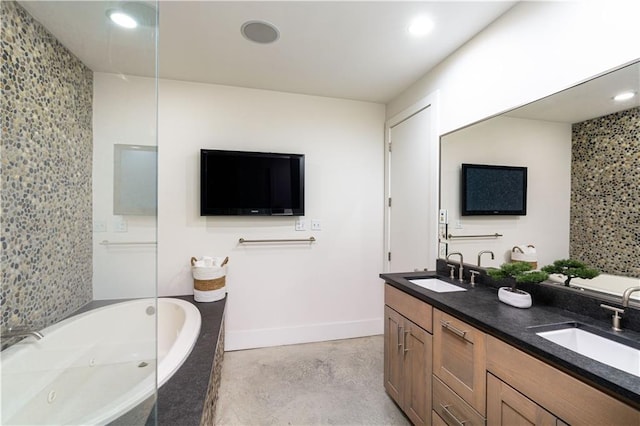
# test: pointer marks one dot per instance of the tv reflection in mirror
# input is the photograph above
(135, 180)
(493, 190)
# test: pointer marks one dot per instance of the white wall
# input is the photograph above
(124, 112)
(535, 49)
(541, 146)
(278, 293)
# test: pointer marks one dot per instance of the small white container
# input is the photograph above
(518, 298)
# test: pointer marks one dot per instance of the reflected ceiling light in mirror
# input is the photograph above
(624, 96)
(420, 26)
(132, 15)
(121, 19)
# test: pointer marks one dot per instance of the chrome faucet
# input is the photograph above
(460, 268)
(483, 252)
(627, 294)
(20, 332)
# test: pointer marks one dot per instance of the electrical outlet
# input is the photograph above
(99, 226)
(442, 231)
(301, 225)
(315, 225)
(442, 250)
(119, 224)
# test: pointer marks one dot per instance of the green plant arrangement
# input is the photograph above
(520, 272)
(516, 272)
(571, 269)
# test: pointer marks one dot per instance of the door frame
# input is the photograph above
(430, 101)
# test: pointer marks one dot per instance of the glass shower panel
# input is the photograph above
(79, 102)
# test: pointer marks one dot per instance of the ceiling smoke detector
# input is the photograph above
(260, 32)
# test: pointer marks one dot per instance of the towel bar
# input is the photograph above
(496, 235)
(283, 240)
(126, 243)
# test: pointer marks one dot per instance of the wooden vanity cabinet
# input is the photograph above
(407, 354)
(460, 375)
(507, 406)
(459, 359)
(548, 389)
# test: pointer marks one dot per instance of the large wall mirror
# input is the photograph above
(581, 148)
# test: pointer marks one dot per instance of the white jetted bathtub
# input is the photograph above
(94, 367)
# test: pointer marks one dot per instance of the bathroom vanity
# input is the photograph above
(463, 357)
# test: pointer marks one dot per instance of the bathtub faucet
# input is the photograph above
(20, 331)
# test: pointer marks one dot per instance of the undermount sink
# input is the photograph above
(595, 344)
(436, 285)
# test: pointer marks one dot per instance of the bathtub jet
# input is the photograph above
(96, 366)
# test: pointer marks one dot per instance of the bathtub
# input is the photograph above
(96, 366)
(614, 285)
(611, 284)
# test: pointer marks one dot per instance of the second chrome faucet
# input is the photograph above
(460, 267)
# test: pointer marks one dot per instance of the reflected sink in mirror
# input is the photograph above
(616, 352)
(436, 285)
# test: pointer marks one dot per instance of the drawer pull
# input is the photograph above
(449, 414)
(399, 334)
(405, 341)
(454, 330)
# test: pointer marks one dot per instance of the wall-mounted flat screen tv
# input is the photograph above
(243, 183)
(493, 190)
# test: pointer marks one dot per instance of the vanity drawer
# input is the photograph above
(411, 308)
(459, 358)
(451, 408)
(566, 397)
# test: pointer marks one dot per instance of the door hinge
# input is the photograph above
(389, 146)
(389, 256)
(389, 201)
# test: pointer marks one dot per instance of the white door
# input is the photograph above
(412, 189)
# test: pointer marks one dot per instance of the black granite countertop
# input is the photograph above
(480, 307)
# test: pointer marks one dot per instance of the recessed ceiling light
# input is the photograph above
(121, 19)
(133, 14)
(624, 96)
(260, 32)
(420, 26)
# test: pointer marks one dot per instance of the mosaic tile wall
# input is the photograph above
(605, 193)
(46, 152)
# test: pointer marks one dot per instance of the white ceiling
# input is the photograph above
(355, 50)
(593, 98)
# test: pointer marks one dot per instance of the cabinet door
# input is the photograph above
(393, 354)
(572, 400)
(417, 374)
(459, 358)
(506, 406)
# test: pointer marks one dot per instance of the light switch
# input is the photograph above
(119, 224)
(315, 225)
(443, 216)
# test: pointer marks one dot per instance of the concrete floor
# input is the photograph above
(327, 383)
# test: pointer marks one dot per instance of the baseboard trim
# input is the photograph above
(261, 338)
